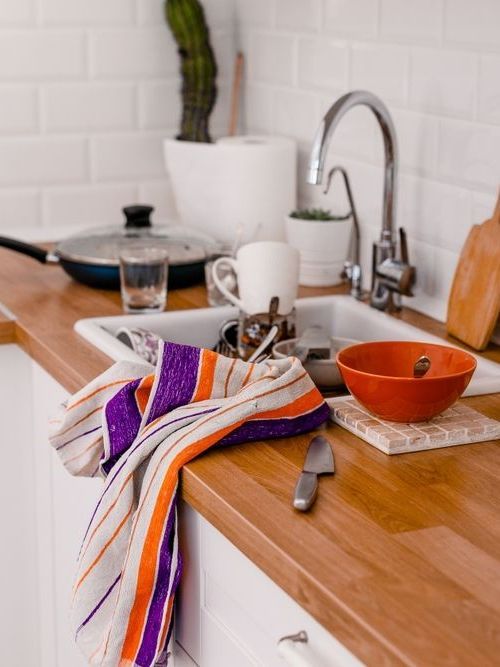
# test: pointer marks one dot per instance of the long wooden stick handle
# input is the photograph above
(235, 94)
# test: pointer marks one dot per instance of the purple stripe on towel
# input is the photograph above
(177, 382)
(277, 428)
(123, 463)
(99, 605)
(77, 436)
(123, 420)
(152, 629)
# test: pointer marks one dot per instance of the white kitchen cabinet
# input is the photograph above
(43, 512)
(19, 611)
(232, 614)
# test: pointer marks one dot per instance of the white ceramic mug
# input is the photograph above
(264, 269)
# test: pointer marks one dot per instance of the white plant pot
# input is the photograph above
(323, 246)
(238, 182)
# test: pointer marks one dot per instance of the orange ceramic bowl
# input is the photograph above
(380, 376)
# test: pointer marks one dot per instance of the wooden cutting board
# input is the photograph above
(474, 301)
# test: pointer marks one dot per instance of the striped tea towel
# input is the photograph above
(137, 429)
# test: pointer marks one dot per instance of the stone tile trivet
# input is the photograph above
(459, 425)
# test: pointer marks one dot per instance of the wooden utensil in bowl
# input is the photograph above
(474, 301)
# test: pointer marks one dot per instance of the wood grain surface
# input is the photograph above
(7, 329)
(474, 301)
(399, 557)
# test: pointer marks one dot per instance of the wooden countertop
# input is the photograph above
(400, 556)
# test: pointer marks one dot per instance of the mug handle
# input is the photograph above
(220, 285)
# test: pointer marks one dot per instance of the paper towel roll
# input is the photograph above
(243, 181)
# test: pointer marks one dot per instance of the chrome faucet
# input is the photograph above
(391, 277)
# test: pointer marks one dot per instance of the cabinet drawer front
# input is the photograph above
(219, 648)
(256, 611)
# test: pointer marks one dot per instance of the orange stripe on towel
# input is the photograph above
(228, 377)
(206, 377)
(82, 419)
(96, 391)
(299, 406)
(147, 567)
(143, 392)
(105, 515)
(102, 551)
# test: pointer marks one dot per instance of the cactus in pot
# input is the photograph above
(186, 19)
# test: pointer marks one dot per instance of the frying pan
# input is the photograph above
(93, 258)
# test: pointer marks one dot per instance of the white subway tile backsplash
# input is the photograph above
(299, 15)
(357, 18)
(14, 12)
(224, 49)
(473, 22)
(254, 13)
(443, 81)
(428, 61)
(92, 12)
(144, 52)
(418, 141)
(18, 109)
(257, 108)
(382, 70)
(219, 120)
(159, 194)
(435, 271)
(126, 157)
(88, 90)
(82, 85)
(89, 106)
(469, 153)
(19, 208)
(323, 63)
(435, 213)
(489, 89)
(159, 104)
(295, 114)
(483, 205)
(419, 21)
(42, 161)
(272, 58)
(42, 55)
(150, 12)
(220, 14)
(90, 205)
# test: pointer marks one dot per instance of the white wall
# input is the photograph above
(436, 64)
(88, 88)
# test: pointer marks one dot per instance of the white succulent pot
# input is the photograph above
(243, 183)
(323, 246)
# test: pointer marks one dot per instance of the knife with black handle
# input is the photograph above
(319, 461)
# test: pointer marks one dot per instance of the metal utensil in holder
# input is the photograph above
(352, 267)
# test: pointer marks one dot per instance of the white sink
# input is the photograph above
(340, 315)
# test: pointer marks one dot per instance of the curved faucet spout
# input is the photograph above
(322, 141)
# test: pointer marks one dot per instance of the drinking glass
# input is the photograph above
(143, 279)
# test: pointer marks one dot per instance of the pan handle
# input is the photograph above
(34, 251)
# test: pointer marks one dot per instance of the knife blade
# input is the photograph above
(319, 461)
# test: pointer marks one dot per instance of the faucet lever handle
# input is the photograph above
(403, 244)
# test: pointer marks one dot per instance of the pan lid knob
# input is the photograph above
(138, 215)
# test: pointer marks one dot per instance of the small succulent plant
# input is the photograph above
(317, 214)
(186, 19)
